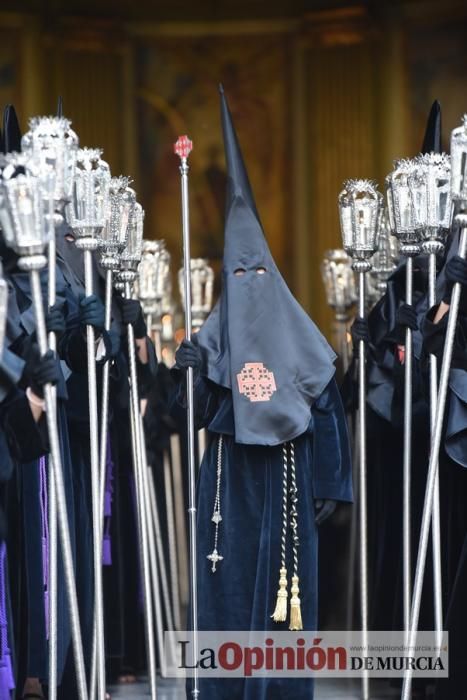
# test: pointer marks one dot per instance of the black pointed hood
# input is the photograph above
(432, 139)
(258, 341)
(11, 131)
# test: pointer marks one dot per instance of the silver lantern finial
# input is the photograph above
(202, 287)
(53, 145)
(114, 235)
(458, 163)
(339, 282)
(88, 208)
(359, 207)
(22, 211)
(3, 307)
(384, 261)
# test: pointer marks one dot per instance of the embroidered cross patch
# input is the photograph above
(256, 382)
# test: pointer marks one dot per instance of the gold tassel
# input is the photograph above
(280, 613)
(295, 610)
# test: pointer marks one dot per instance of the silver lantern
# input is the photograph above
(23, 220)
(360, 204)
(202, 286)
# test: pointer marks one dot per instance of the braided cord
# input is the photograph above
(293, 509)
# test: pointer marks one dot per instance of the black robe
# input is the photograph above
(241, 594)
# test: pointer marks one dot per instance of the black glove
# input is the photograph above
(325, 508)
(132, 314)
(91, 312)
(359, 331)
(55, 320)
(406, 317)
(188, 355)
(456, 271)
(41, 370)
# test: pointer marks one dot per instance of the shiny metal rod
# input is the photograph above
(363, 511)
(102, 460)
(56, 465)
(95, 482)
(435, 520)
(172, 541)
(407, 456)
(180, 520)
(142, 505)
(190, 425)
(434, 455)
(51, 495)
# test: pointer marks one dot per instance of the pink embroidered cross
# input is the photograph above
(256, 382)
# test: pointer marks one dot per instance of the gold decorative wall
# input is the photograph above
(316, 98)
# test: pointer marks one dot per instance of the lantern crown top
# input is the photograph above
(50, 126)
(153, 246)
(402, 165)
(356, 187)
(119, 184)
(88, 154)
(441, 160)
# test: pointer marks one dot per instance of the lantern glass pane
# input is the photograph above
(459, 162)
(3, 307)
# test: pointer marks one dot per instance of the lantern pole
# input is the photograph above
(183, 148)
(128, 263)
(401, 215)
(52, 145)
(459, 197)
(26, 235)
(359, 207)
(430, 185)
(87, 216)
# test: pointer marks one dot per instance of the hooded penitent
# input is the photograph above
(258, 341)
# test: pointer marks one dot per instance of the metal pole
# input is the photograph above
(51, 497)
(87, 247)
(407, 456)
(172, 541)
(434, 455)
(180, 522)
(141, 500)
(102, 460)
(436, 523)
(190, 425)
(56, 465)
(363, 481)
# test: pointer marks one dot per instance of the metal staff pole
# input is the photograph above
(359, 208)
(430, 185)
(21, 217)
(339, 285)
(459, 196)
(52, 145)
(129, 260)
(112, 241)
(202, 285)
(183, 148)
(401, 217)
(87, 215)
(153, 275)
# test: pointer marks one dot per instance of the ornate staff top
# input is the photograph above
(359, 208)
(430, 187)
(22, 207)
(459, 162)
(183, 147)
(53, 144)
(202, 286)
(339, 281)
(3, 307)
(87, 211)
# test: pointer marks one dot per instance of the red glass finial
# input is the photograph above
(183, 147)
